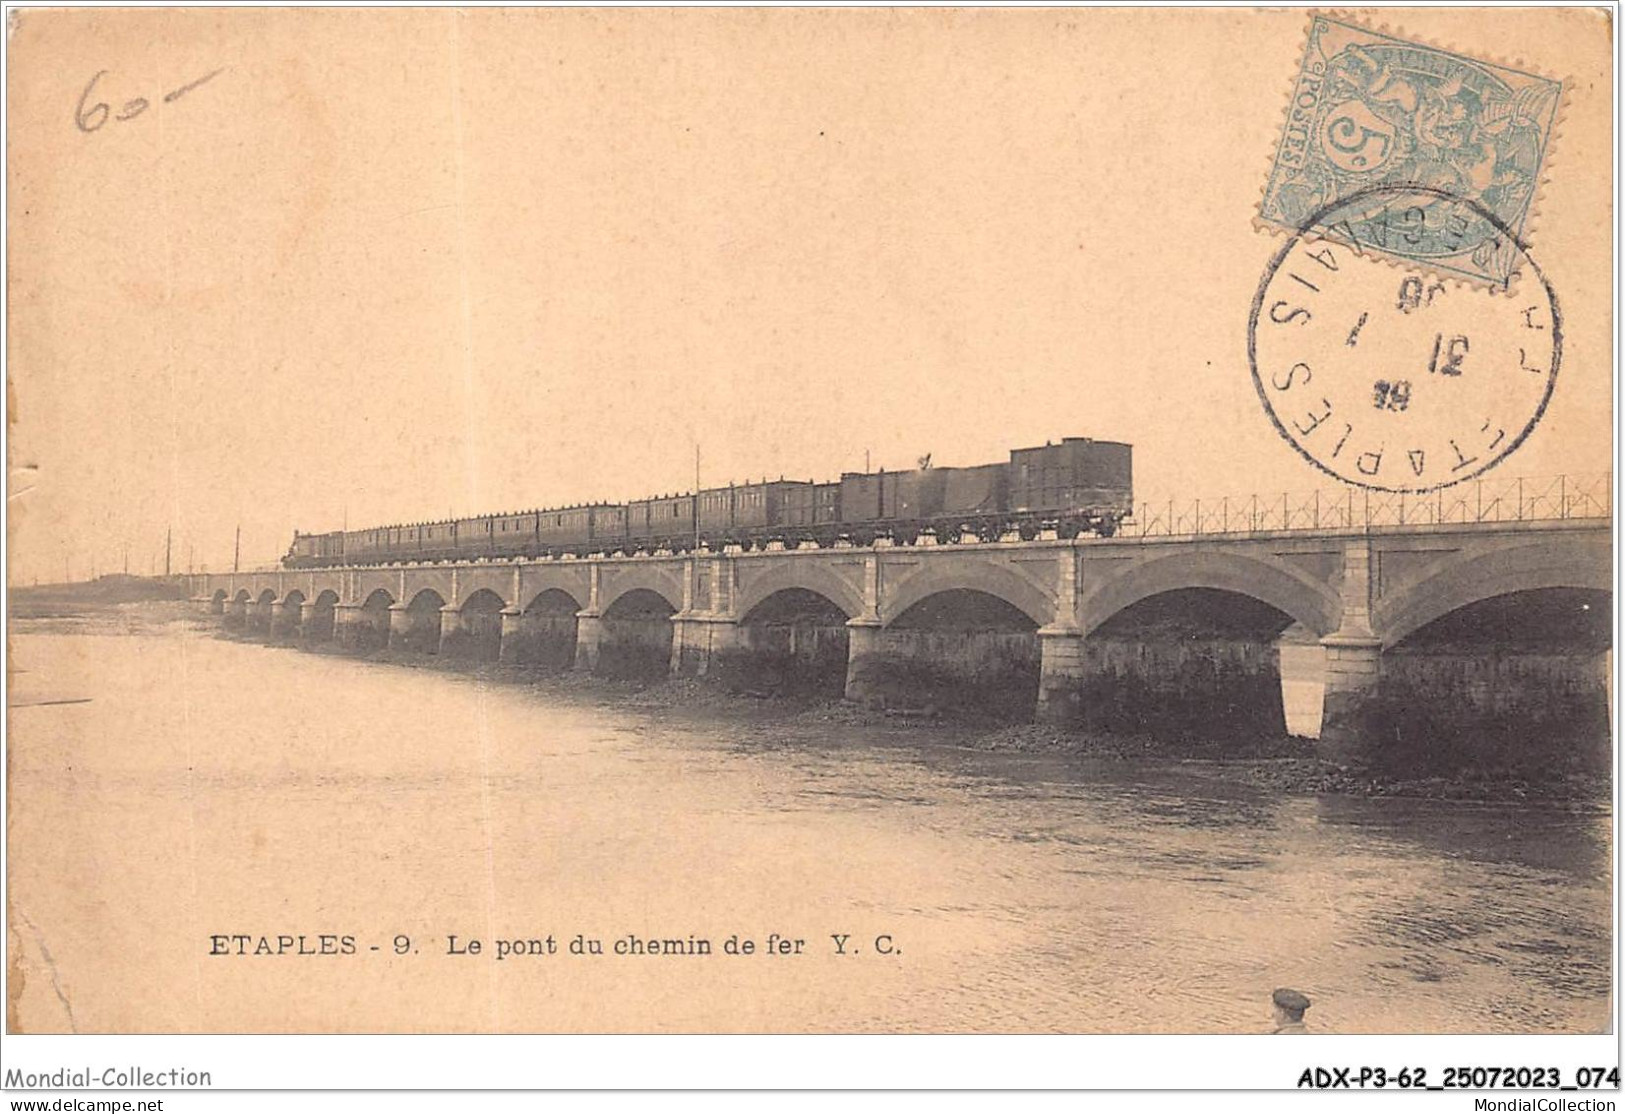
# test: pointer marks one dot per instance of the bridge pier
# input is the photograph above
(258, 618)
(589, 637)
(864, 644)
(1062, 660)
(1062, 666)
(1353, 664)
(453, 636)
(284, 620)
(353, 627)
(400, 626)
(1353, 668)
(346, 624)
(508, 650)
(317, 622)
(697, 641)
(234, 614)
(418, 630)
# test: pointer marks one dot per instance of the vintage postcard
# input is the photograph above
(805, 521)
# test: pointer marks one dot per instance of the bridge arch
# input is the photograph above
(552, 599)
(960, 637)
(415, 627)
(286, 623)
(370, 629)
(236, 608)
(1500, 660)
(633, 594)
(639, 601)
(545, 633)
(259, 611)
(1456, 582)
(636, 634)
(477, 626)
(794, 640)
(317, 625)
(426, 577)
(424, 599)
(1280, 586)
(482, 601)
(988, 579)
(809, 576)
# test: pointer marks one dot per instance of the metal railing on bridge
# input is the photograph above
(1513, 499)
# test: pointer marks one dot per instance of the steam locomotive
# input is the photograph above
(1080, 485)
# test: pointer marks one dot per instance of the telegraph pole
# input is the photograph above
(169, 536)
(237, 551)
(696, 496)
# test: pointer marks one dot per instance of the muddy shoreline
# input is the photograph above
(1284, 765)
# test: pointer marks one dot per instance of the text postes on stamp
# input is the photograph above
(1371, 110)
(1395, 380)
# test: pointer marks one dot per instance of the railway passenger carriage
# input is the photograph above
(807, 506)
(1069, 488)
(747, 514)
(663, 523)
(595, 526)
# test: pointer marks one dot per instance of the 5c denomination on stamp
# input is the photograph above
(1371, 110)
(1392, 379)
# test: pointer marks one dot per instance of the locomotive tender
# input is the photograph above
(1080, 485)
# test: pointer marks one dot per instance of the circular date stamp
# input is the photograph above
(1387, 376)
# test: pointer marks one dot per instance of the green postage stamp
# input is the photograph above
(1370, 110)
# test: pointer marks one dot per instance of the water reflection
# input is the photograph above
(215, 784)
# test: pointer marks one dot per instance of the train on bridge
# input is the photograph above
(1080, 485)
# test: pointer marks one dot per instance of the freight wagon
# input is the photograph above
(1079, 485)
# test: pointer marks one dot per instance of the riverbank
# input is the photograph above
(123, 602)
(1283, 764)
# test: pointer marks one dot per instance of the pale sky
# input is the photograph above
(389, 265)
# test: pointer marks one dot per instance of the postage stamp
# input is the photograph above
(1370, 110)
(1393, 380)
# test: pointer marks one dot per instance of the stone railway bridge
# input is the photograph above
(1357, 593)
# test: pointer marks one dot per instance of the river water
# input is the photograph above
(205, 787)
